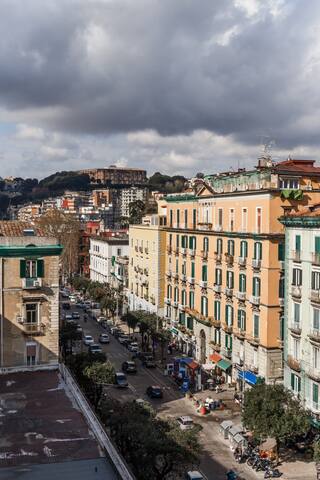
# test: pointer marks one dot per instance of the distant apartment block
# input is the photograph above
(125, 196)
(29, 293)
(116, 176)
(103, 252)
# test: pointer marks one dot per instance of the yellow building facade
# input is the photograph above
(224, 265)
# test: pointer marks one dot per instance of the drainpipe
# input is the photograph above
(1, 311)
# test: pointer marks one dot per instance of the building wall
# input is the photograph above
(102, 253)
(146, 268)
(19, 339)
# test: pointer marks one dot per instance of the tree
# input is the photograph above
(131, 320)
(4, 204)
(273, 411)
(66, 229)
(69, 335)
(99, 374)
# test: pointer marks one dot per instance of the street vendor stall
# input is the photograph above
(225, 427)
(268, 449)
(238, 442)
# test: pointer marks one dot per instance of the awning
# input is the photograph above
(193, 365)
(224, 364)
(215, 357)
(207, 366)
(174, 330)
(249, 377)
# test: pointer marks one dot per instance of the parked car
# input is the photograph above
(133, 347)
(118, 333)
(76, 315)
(148, 361)
(79, 328)
(120, 380)
(95, 348)
(123, 338)
(66, 306)
(129, 367)
(154, 391)
(68, 317)
(195, 475)
(114, 330)
(73, 298)
(88, 340)
(185, 422)
(104, 338)
(101, 319)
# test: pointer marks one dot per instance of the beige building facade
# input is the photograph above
(147, 244)
(29, 297)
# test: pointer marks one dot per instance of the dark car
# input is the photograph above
(120, 380)
(154, 392)
(66, 306)
(95, 348)
(129, 367)
(76, 315)
(148, 361)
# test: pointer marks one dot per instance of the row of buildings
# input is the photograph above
(233, 266)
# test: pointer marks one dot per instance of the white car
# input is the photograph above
(185, 422)
(133, 347)
(104, 338)
(101, 319)
(195, 475)
(88, 340)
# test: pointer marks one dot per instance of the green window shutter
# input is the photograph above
(204, 273)
(317, 244)
(315, 393)
(192, 269)
(281, 251)
(40, 268)
(22, 269)
(177, 241)
(292, 381)
(239, 318)
(299, 384)
(113, 258)
(226, 341)
(298, 243)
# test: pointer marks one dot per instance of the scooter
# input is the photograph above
(272, 473)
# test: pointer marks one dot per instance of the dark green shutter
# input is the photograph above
(22, 269)
(315, 393)
(292, 381)
(239, 318)
(317, 244)
(299, 384)
(298, 243)
(40, 268)
(177, 241)
(192, 270)
(204, 273)
(281, 251)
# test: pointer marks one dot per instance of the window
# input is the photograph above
(184, 268)
(217, 336)
(183, 297)
(228, 342)
(230, 281)
(317, 245)
(244, 220)
(177, 265)
(315, 395)
(206, 244)
(204, 306)
(315, 357)
(194, 218)
(169, 291)
(218, 276)
(220, 217)
(31, 268)
(31, 313)
(243, 249)
(217, 310)
(231, 247)
(296, 348)
(258, 219)
(192, 243)
(170, 218)
(186, 219)
(315, 280)
(281, 251)
(31, 353)
(229, 315)
(281, 287)
(190, 323)
(256, 286)
(241, 320)
(256, 326)
(178, 218)
(219, 245)
(296, 313)
(289, 183)
(316, 319)
(257, 252)
(298, 243)
(297, 277)
(204, 273)
(182, 318)
(295, 383)
(177, 241)
(242, 283)
(192, 269)
(191, 299)
(176, 294)
(231, 219)
(281, 328)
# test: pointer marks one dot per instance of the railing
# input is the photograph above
(296, 291)
(181, 307)
(204, 226)
(296, 255)
(293, 363)
(191, 280)
(256, 264)
(176, 250)
(227, 328)
(228, 292)
(31, 283)
(313, 373)
(169, 273)
(167, 301)
(33, 328)
(204, 254)
(217, 288)
(295, 328)
(218, 228)
(241, 296)
(242, 261)
(183, 277)
(183, 251)
(253, 339)
(316, 258)
(215, 345)
(254, 300)
(169, 249)
(314, 335)
(218, 257)
(315, 296)
(253, 368)
(203, 284)
(240, 333)
(95, 425)
(229, 259)
(192, 252)
(175, 304)
(216, 323)
(226, 352)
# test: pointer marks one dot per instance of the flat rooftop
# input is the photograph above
(40, 426)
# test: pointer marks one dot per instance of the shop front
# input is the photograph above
(224, 370)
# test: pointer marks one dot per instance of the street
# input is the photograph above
(217, 458)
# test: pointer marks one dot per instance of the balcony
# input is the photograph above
(204, 254)
(256, 264)
(296, 255)
(181, 307)
(226, 352)
(242, 261)
(169, 249)
(216, 323)
(206, 226)
(218, 257)
(31, 283)
(253, 340)
(241, 296)
(176, 251)
(183, 278)
(240, 333)
(167, 301)
(293, 363)
(253, 369)
(296, 291)
(169, 274)
(228, 292)
(229, 259)
(315, 258)
(218, 228)
(315, 296)
(254, 300)
(175, 275)
(216, 346)
(313, 373)
(33, 328)
(192, 252)
(228, 328)
(175, 304)
(295, 328)
(314, 336)
(203, 284)
(191, 280)
(217, 288)
(183, 251)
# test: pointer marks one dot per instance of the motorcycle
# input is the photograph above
(272, 473)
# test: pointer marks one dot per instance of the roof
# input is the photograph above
(112, 240)
(297, 166)
(15, 228)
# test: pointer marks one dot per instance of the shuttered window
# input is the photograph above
(315, 280)
(231, 247)
(243, 249)
(230, 281)
(281, 251)
(218, 276)
(242, 283)
(298, 243)
(241, 319)
(217, 310)
(192, 269)
(191, 299)
(229, 315)
(256, 286)
(297, 277)
(257, 251)
(206, 244)
(317, 244)
(204, 273)
(256, 326)
(219, 245)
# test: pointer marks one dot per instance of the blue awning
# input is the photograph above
(249, 377)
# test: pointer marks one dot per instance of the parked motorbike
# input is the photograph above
(272, 473)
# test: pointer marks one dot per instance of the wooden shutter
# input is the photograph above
(22, 269)
(40, 268)
(298, 243)
(292, 381)
(317, 244)
(281, 251)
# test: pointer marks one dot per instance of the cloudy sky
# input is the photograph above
(178, 86)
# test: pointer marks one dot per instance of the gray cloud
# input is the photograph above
(238, 68)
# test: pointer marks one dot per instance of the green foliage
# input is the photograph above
(99, 374)
(166, 184)
(61, 181)
(154, 448)
(4, 204)
(272, 411)
(316, 451)
(131, 320)
(68, 336)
